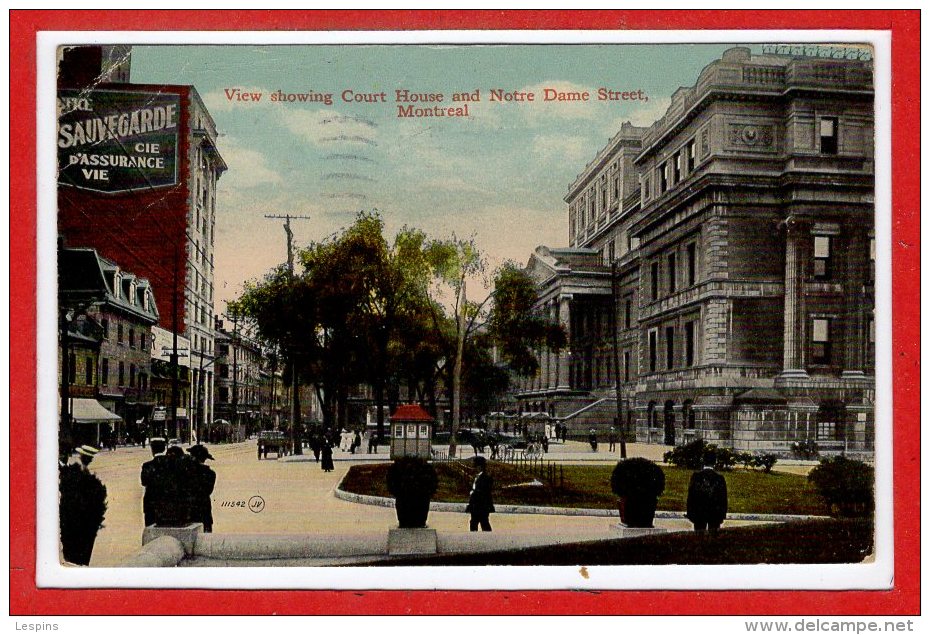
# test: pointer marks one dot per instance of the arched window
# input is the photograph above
(687, 412)
(651, 417)
(669, 421)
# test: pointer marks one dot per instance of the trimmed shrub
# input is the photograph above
(411, 476)
(637, 477)
(766, 461)
(412, 481)
(691, 455)
(638, 483)
(805, 450)
(846, 485)
(762, 461)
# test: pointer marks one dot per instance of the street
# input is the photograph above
(297, 498)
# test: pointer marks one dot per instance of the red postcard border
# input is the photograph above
(904, 598)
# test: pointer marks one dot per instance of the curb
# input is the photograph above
(382, 501)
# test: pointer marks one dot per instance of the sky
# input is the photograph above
(498, 175)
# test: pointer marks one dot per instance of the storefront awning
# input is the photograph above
(90, 411)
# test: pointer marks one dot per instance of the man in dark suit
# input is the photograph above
(481, 502)
(202, 482)
(153, 481)
(707, 497)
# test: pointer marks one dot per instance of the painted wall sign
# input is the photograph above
(117, 141)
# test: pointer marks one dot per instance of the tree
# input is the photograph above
(508, 314)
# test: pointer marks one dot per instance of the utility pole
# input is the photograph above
(174, 345)
(614, 325)
(295, 391)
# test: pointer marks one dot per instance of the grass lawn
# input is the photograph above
(806, 542)
(589, 486)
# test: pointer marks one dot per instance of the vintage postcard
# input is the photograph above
(508, 310)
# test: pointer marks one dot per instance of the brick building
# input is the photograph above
(238, 375)
(109, 343)
(138, 167)
(722, 260)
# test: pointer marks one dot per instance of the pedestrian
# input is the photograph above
(592, 439)
(545, 444)
(82, 503)
(372, 442)
(153, 481)
(612, 438)
(86, 454)
(203, 479)
(564, 432)
(316, 444)
(356, 441)
(481, 501)
(707, 497)
(327, 452)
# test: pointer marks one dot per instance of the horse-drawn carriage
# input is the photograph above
(502, 446)
(515, 446)
(272, 441)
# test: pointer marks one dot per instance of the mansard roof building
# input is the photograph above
(721, 266)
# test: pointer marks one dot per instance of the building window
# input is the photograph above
(626, 365)
(143, 381)
(872, 260)
(687, 415)
(646, 188)
(691, 255)
(653, 349)
(106, 328)
(822, 257)
(672, 272)
(89, 371)
(691, 149)
(105, 371)
(604, 199)
(132, 375)
(72, 374)
(669, 347)
(628, 313)
(676, 167)
(616, 183)
(132, 338)
(829, 135)
(654, 271)
(119, 333)
(663, 178)
(689, 344)
(122, 375)
(611, 252)
(820, 341)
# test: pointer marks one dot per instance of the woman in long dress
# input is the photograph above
(327, 452)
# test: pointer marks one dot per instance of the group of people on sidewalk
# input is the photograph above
(178, 486)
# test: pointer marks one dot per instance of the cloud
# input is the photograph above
(648, 115)
(326, 128)
(247, 167)
(573, 149)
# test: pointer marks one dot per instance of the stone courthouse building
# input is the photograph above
(721, 266)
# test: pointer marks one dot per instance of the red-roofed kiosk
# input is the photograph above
(412, 429)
